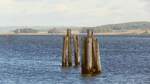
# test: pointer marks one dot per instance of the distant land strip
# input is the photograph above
(130, 28)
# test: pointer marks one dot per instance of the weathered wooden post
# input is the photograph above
(65, 52)
(96, 66)
(98, 61)
(91, 55)
(69, 47)
(87, 56)
(84, 61)
(76, 50)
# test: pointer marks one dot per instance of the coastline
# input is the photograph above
(62, 34)
(130, 32)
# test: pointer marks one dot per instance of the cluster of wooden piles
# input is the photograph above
(67, 50)
(90, 62)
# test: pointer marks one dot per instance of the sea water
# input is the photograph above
(37, 60)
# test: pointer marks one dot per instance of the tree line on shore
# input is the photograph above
(98, 29)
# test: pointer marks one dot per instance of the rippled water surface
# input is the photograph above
(37, 60)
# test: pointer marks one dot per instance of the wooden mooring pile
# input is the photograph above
(90, 58)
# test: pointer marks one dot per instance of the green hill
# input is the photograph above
(120, 27)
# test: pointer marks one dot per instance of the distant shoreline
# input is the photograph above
(61, 34)
(129, 32)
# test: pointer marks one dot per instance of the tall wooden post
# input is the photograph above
(89, 51)
(87, 57)
(84, 58)
(67, 50)
(91, 55)
(69, 47)
(76, 50)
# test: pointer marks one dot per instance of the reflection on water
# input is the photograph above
(37, 60)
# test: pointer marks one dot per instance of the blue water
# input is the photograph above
(37, 60)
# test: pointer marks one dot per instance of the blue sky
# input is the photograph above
(72, 12)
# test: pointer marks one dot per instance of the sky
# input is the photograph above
(72, 12)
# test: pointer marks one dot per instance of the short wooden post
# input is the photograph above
(76, 50)
(98, 60)
(96, 66)
(65, 52)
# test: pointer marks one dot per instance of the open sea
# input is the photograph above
(37, 60)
